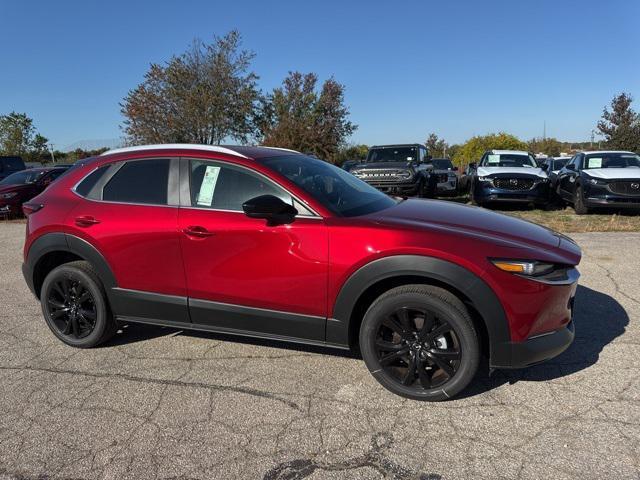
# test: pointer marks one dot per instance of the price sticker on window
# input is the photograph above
(208, 186)
(493, 159)
(595, 163)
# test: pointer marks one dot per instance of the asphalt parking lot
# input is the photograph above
(163, 403)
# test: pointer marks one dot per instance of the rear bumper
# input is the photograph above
(27, 273)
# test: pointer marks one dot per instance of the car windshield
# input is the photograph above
(336, 189)
(611, 160)
(24, 177)
(508, 160)
(393, 154)
(442, 164)
(559, 163)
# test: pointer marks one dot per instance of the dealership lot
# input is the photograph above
(162, 403)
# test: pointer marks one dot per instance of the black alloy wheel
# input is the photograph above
(578, 202)
(74, 305)
(418, 341)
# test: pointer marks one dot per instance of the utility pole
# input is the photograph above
(53, 158)
(592, 137)
(544, 130)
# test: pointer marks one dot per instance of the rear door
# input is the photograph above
(130, 215)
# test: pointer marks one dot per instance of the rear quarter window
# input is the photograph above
(86, 185)
(140, 181)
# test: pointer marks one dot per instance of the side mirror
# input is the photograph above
(473, 165)
(455, 169)
(571, 166)
(545, 166)
(273, 209)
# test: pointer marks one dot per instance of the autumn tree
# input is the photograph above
(436, 146)
(206, 95)
(18, 136)
(299, 117)
(352, 152)
(549, 146)
(472, 149)
(620, 126)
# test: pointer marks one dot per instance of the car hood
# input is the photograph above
(536, 172)
(13, 188)
(378, 165)
(471, 221)
(613, 173)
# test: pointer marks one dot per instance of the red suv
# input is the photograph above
(271, 243)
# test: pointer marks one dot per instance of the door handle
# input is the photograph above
(86, 221)
(197, 231)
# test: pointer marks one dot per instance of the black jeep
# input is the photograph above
(398, 170)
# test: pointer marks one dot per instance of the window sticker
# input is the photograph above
(595, 162)
(493, 159)
(205, 196)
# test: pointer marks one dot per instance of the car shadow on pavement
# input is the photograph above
(599, 319)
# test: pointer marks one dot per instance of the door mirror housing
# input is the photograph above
(273, 209)
(545, 167)
(473, 165)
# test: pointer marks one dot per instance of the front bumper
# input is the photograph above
(403, 189)
(487, 192)
(448, 187)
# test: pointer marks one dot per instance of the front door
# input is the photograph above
(242, 274)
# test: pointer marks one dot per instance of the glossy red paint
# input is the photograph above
(301, 267)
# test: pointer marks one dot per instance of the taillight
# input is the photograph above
(29, 208)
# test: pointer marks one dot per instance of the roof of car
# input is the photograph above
(393, 145)
(237, 150)
(513, 152)
(591, 152)
(46, 169)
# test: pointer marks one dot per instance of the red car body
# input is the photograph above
(308, 281)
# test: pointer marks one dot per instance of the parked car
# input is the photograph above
(446, 176)
(601, 179)
(508, 176)
(22, 186)
(553, 165)
(464, 182)
(349, 164)
(264, 242)
(398, 170)
(9, 165)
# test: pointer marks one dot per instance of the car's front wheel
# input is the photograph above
(75, 306)
(419, 342)
(578, 202)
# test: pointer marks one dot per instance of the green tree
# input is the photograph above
(352, 152)
(205, 95)
(472, 149)
(620, 126)
(437, 147)
(549, 146)
(18, 136)
(296, 116)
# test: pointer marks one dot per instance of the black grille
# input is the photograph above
(630, 187)
(443, 177)
(513, 183)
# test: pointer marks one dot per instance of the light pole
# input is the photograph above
(53, 158)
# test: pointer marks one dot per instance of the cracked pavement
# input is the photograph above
(164, 403)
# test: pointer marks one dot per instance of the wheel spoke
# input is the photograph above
(75, 327)
(67, 327)
(442, 364)
(440, 330)
(410, 376)
(64, 283)
(59, 291)
(57, 314)
(89, 314)
(423, 376)
(396, 327)
(86, 295)
(429, 319)
(388, 346)
(56, 304)
(405, 320)
(387, 359)
(446, 354)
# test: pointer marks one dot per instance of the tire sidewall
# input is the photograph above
(94, 288)
(463, 330)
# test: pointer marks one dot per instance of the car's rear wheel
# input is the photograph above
(75, 306)
(578, 202)
(419, 342)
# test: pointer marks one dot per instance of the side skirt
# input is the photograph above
(228, 331)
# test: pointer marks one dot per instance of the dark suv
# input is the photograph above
(22, 186)
(9, 165)
(398, 170)
(271, 243)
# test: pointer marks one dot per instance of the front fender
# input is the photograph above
(476, 291)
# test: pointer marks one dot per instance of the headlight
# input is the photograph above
(405, 174)
(484, 179)
(597, 181)
(527, 268)
(8, 195)
(357, 173)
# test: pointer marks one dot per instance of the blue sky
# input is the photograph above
(457, 68)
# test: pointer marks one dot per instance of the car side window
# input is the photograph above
(222, 186)
(139, 181)
(87, 184)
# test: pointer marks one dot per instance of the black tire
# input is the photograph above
(75, 306)
(578, 202)
(425, 325)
